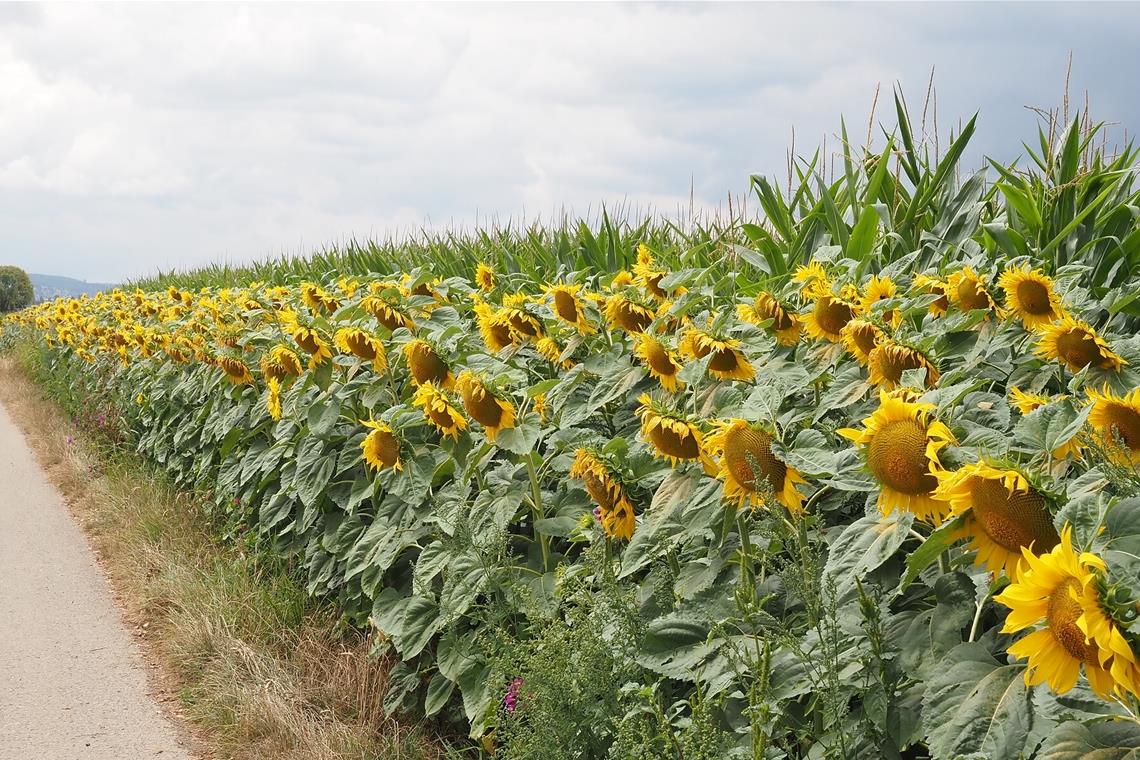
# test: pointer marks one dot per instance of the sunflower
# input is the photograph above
(483, 406)
(1029, 294)
(348, 286)
(318, 299)
(353, 340)
(387, 313)
(273, 399)
(649, 278)
(1060, 589)
(438, 410)
(281, 362)
(621, 279)
(745, 451)
(614, 509)
(307, 338)
(523, 325)
(900, 443)
(1003, 514)
(235, 369)
(662, 364)
(860, 337)
(1117, 419)
(1028, 402)
(967, 290)
(887, 361)
(672, 437)
(548, 348)
(494, 328)
(624, 314)
(880, 289)
(381, 447)
(1076, 344)
(784, 322)
(726, 362)
(568, 308)
(485, 277)
(426, 366)
(827, 318)
(816, 282)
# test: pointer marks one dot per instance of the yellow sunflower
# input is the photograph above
(860, 337)
(310, 341)
(493, 327)
(438, 410)
(318, 299)
(1117, 420)
(672, 437)
(745, 450)
(1003, 514)
(388, 314)
(784, 322)
(426, 366)
(273, 398)
(816, 282)
(1030, 295)
(624, 314)
(662, 364)
(483, 406)
(353, 340)
(648, 278)
(485, 277)
(1076, 344)
(968, 291)
(621, 279)
(281, 362)
(604, 486)
(1059, 589)
(548, 348)
(827, 318)
(880, 289)
(726, 362)
(568, 308)
(900, 442)
(381, 447)
(887, 361)
(348, 286)
(1028, 402)
(235, 369)
(524, 326)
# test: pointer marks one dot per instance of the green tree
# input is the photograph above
(15, 289)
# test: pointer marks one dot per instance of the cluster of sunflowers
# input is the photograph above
(442, 346)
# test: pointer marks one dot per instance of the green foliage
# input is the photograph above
(15, 289)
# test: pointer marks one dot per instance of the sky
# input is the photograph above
(139, 138)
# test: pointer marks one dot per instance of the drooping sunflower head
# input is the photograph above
(307, 337)
(648, 277)
(1116, 420)
(485, 277)
(493, 327)
(236, 370)
(489, 409)
(381, 447)
(348, 286)
(671, 435)
(1029, 294)
(860, 337)
(1076, 344)
(615, 512)
(281, 362)
(879, 289)
(524, 325)
(622, 279)
(816, 282)
(387, 312)
(750, 469)
(625, 314)
(551, 350)
(318, 299)
(1060, 590)
(726, 361)
(273, 398)
(900, 443)
(1004, 513)
(662, 363)
(438, 410)
(968, 290)
(827, 318)
(353, 340)
(567, 307)
(784, 322)
(887, 361)
(425, 364)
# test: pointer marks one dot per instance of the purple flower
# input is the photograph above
(511, 699)
(70, 440)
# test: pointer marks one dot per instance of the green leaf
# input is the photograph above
(863, 236)
(1053, 425)
(929, 552)
(439, 690)
(1107, 740)
(322, 417)
(863, 546)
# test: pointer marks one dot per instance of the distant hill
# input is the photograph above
(49, 286)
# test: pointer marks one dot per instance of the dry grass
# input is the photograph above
(261, 670)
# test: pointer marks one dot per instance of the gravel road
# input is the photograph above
(73, 685)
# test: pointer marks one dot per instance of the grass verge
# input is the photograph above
(262, 670)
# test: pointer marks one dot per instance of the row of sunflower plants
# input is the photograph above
(880, 502)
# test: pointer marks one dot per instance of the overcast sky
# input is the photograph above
(140, 137)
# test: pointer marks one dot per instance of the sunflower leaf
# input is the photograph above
(1114, 740)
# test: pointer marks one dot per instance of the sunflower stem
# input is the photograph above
(978, 607)
(536, 503)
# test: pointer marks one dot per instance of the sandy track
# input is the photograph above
(73, 684)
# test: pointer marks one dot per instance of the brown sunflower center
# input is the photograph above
(523, 323)
(675, 444)
(659, 360)
(768, 308)
(307, 339)
(1064, 610)
(747, 450)
(1078, 348)
(441, 417)
(359, 344)
(427, 367)
(381, 448)
(483, 407)
(565, 306)
(832, 316)
(653, 284)
(233, 367)
(864, 336)
(598, 490)
(972, 295)
(898, 359)
(725, 360)
(897, 458)
(1013, 520)
(1033, 297)
(1125, 422)
(633, 318)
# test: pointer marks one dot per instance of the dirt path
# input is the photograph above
(72, 682)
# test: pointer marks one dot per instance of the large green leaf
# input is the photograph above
(863, 546)
(1103, 740)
